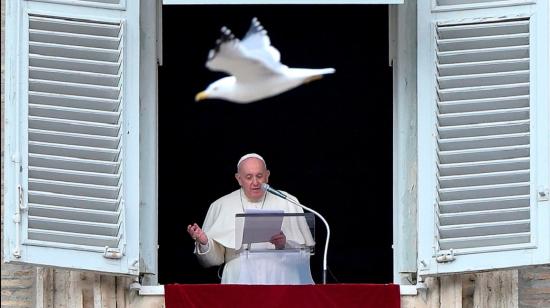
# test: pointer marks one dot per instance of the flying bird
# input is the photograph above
(254, 67)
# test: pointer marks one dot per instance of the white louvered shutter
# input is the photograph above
(483, 147)
(72, 184)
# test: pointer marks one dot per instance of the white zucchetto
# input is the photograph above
(250, 155)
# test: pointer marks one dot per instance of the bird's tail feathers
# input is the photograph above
(314, 71)
(319, 73)
(324, 71)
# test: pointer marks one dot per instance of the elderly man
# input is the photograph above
(215, 242)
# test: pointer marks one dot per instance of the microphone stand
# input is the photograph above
(281, 195)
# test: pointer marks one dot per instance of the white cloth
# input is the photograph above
(219, 226)
(280, 267)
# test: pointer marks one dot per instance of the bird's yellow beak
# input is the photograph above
(200, 96)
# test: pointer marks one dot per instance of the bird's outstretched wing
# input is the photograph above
(257, 41)
(247, 60)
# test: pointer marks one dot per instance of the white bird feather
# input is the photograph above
(254, 67)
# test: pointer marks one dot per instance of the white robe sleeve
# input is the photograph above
(214, 254)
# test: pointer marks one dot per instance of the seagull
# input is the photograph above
(254, 67)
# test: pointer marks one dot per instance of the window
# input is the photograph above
(327, 142)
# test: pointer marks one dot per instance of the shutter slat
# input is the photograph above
(74, 52)
(484, 191)
(75, 26)
(484, 166)
(86, 115)
(483, 154)
(486, 116)
(63, 100)
(73, 226)
(74, 139)
(484, 229)
(74, 176)
(492, 203)
(480, 42)
(478, 92)
(79, 202)
(79, 39)
(485, 241)
(73, 238)
(72, 126)
(481, 129)
(476, 217)
(75, 189)
(484, 104)
(72, 163)
(485, 67)
(482, 55)
(484, 179)
(81, 65)
(80, 77)
(484, 141)
(483, 79)
(75, 151)
(481, 29)
(71, 213)
(68, 88)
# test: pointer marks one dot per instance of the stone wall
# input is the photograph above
(534, 287)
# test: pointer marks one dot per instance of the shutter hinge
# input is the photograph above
(543, 194)
(22, 205)
(445, 256)
(17, 221)
(112, 253)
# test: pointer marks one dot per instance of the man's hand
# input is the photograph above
(197, 234)
(279, 240)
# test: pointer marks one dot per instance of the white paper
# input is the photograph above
(258, 229)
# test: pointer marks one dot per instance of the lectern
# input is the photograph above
(260, 261)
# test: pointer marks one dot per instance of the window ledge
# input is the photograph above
(151, 290)
(408, 290)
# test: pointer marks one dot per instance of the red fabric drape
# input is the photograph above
(287, 296)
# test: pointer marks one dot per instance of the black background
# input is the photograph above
(328, 142)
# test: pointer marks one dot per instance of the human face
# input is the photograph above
(251, 175)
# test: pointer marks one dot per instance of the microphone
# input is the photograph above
(279, 194)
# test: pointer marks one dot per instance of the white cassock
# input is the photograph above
(254, 268)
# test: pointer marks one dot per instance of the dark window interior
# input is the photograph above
(328, 142)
